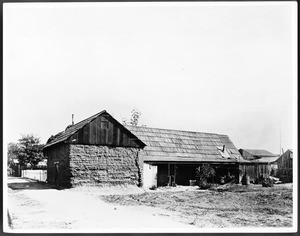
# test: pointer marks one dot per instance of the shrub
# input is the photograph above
(204, 185)
(267, 182)
(258, 180)
(203, 173)
(229, 178)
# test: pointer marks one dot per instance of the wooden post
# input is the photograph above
(175, 167)
(169, 175)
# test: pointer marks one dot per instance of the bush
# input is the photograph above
(267, 182)
(229, 178)
(258, 180)
(203, 173)
(204, 185)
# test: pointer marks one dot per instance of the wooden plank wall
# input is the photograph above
(284, 161)
(104, 131)
(285, 167)
(256, 170)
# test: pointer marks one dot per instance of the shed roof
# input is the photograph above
(260, 152)
(185, 146)
(265, 159)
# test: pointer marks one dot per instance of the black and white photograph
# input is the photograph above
(150, 117)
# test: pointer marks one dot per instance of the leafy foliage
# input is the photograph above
(203, 173)
(267, 182)
(12, 153)
(28, 150)
(134, 119)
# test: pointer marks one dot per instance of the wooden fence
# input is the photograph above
(40, 175)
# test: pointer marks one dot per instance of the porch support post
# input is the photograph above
(175, 167)
(169, 175)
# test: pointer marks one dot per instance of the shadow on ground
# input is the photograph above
(33, 185)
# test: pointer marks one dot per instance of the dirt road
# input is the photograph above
(33, 205)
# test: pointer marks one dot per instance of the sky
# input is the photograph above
(226, 68)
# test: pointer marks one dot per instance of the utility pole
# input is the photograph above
(280, 139)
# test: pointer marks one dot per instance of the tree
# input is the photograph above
(134, 119)
(29, 150)
(12, 153)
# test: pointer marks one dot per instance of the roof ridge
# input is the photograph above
(95, 115)
(69, 129)
(176, 130)
(255, 149)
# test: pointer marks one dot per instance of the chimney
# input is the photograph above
(223, 148)
(72, 119)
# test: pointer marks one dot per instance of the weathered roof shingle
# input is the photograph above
(260, 152)
(184, 146)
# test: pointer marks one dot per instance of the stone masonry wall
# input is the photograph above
(104, 166)
(59, 154)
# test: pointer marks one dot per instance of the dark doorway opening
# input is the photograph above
(185, 173)
(181, 174)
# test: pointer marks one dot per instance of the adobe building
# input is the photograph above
(96, 151)
(101, 151)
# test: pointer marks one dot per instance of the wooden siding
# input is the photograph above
(254, 171)
(285, 161)
(285, 167)
(103, 130)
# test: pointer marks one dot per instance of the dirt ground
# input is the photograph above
(226, 206)
(33, 205)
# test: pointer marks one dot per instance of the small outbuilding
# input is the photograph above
(285, 166)
(253, 154)
(258, 163)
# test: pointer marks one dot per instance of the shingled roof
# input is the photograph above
(260, 152)
(185, 146)
(265, 159)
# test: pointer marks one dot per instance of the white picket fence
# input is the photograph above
(40, 175)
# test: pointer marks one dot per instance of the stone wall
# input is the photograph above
(104, 166)
(59, 154)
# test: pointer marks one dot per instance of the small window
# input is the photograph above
(104, 125)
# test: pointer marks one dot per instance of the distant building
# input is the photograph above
(285, 166)
(252, 154)
(16, 168)
(260, 163)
